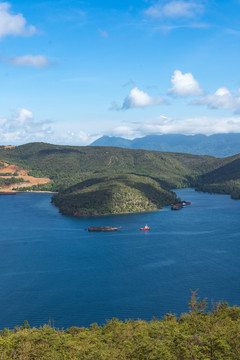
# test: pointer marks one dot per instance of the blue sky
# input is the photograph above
(72, 71)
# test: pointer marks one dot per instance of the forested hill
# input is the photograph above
(57, 161)
(219, 145)
(101, 180)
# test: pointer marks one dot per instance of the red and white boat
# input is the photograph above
(145, 228)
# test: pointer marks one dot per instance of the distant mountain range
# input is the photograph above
(219, 145)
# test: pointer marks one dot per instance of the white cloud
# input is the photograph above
(139, 99)
(103, 33)
(22, 116)
(37, 61)
(190, 126)
(76, 137)
(74, 134)
(124, 131)
(193, 25)
(221, 99)
(21, 128)
(174, 9)
(232, 32)
(62, 14)
(184, 85)
(11, 24)
(196, 125)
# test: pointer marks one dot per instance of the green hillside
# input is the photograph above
(143, 173)
(198, 334)
(225, 179)
(59, 161)
(113, 195)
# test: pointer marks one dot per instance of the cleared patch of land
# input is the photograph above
(8, 146)
(13, 171)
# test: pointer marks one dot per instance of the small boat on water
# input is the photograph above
(145, 228)
(103, 228)
(179, 205)
(184, 203)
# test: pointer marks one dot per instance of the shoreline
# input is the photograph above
(37, 192)
(113, 214)
(27, 192)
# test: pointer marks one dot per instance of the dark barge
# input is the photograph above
(103, 228)
(177, 206)
(180, 205)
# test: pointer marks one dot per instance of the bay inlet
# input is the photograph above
(52, 268)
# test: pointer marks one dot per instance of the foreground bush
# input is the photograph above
(198, 334)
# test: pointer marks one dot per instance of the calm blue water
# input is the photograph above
(51, 268)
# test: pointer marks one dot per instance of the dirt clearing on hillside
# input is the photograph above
(16, 172)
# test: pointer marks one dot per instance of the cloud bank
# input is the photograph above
(190, 126)
(21, 128)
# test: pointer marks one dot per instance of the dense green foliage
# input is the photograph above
(88, 178)
(10, 181)
(57, 161)
(198, 334)
(113, 195)
(9, 174)
(225, 179)
(148, 176)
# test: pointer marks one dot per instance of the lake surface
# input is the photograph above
(52, 268)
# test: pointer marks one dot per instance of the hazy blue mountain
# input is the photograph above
(113, 141)
(219, 145)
